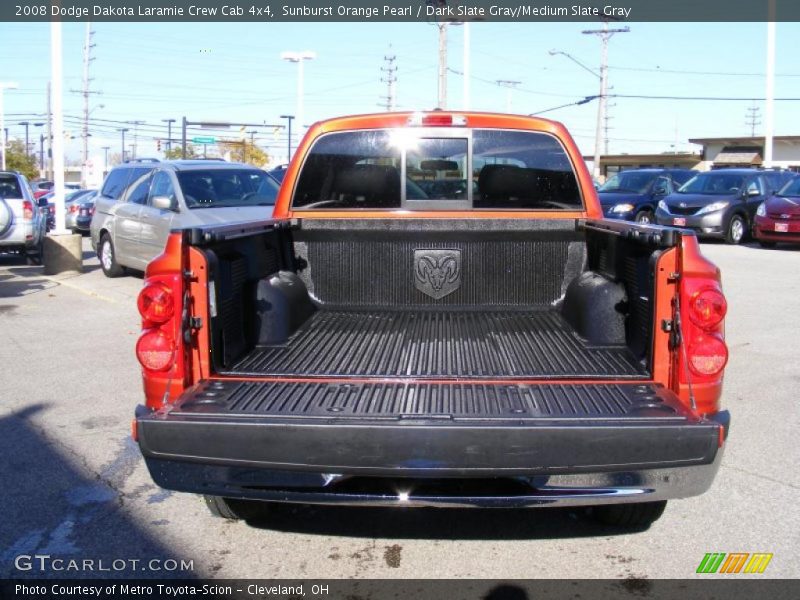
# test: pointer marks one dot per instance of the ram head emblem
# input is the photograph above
(437, 273)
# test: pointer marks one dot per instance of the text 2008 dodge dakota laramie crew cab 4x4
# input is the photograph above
(437, 315)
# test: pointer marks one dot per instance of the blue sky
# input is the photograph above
(232, 72)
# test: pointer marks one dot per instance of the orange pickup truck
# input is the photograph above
(437, 315)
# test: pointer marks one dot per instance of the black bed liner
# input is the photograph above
(439, 344)
(456, 401)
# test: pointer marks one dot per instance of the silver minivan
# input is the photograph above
(141, 202)
(23, 225)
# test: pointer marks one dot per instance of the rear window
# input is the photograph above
(514, 170)
(218, 188)
(9, 187)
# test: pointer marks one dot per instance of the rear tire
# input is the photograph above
(108, 257)
(35, 256)
(645, 217)
(737, 230)
(232, 509)
(630, 516)
(765, 244)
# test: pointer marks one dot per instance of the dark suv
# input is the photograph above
(633, 195)
(721, 203)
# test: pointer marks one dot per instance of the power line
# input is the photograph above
(709, 98)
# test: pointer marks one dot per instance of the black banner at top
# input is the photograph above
(268, 11)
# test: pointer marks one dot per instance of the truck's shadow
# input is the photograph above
(429, 523)
(53, 507)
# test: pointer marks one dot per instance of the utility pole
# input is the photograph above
(169, 123)
(389, 79)
(122, 130)
(510, 86)
(751, 120)
(465, 68)
(135, 135)
(442, 89)
(87, 58)
(604, 34)
(607, 126)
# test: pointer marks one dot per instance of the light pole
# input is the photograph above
(299, 57)
(4, 85)
(105, 159)
(600, 108)
(27, 143)
(169, 123)
(289, 131)
(122, 130)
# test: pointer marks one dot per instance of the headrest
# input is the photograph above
(507, 181)
(375, 183)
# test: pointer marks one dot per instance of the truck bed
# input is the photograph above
(439, 344)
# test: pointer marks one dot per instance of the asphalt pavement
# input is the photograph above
(75, 486)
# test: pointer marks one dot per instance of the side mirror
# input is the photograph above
(660, 190)
(41, 203)
(163, 203)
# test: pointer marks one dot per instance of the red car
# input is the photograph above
(778, 218)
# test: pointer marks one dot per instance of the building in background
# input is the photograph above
(611, 164)
(748, 152)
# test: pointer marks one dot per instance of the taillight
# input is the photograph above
(73, 208)
(707, 308)
(708, 355)
(27, 209)
(155, 350)
(156, 303)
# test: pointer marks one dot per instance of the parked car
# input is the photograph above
(721, 203)
(634, 194)
(41, 187)
(778, 217)
(72, 202)
(141, 202)
(505, 348)
(278, 173)
(22, 225)
(85, 212)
